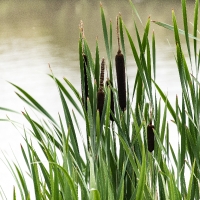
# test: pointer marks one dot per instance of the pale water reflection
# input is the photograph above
(34, 34)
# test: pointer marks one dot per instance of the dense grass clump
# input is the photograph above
(123, 156)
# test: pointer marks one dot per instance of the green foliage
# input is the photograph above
(113, 162)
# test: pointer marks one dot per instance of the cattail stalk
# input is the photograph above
(108, 82)
(150, 137)
(100, 93)
(120, 71)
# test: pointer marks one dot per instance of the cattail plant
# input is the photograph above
(120, 71)
(109, 83)
(85, 66)
(100, 93)
(150, 136)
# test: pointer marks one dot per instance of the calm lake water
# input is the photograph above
(35, 34)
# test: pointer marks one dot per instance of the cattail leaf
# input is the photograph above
(11, 168)
(149, 71)
(120, 189)
(147, 193)
(107, 117)
(69, 180)
(162, 187)
(190, 186)
(145, 36)
(90, 63)
(97, 66)
(33, 103)
(172, 187)
(22, 181)
(195, 30)
(69, 95)
(173, 155)
(14, 194)
(159, 142)
(163, 125)
(97, 131)
(92, 175)
(170, 27)
(111, 47)
(73, 89)
(105, 33)
(112, 110)
(134, 9)
(184, 12)
(183, 148)
(69, 123)
(130, 156)
(154, 55)
(9, 110)
(94, 193)
(138, 63)
(165, 99)
(94, 103)
(91, 125)
(139, 97)
(141, 183)
(35, 177)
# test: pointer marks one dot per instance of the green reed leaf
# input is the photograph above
(141, 183)
(97, 65)
(170, 27)
(134, 9)
(184, 12)
(195, 30)
(191, 182)
(165, 99)
(105, 33)
(31, 101)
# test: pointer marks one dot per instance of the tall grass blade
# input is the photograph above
(34, 103)
(141, 183)
(105, 33)
(195, 29)
(184, 12)
(170, 27)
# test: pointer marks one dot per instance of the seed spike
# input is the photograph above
(117, 18)
(102, 73)
(120, 70)
(150, 136)
(100, 93)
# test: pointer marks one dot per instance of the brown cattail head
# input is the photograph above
(102, 73)
(120, 70)
(100, 101)
(121, 80)
(100, 94)
(108, 82)
(85, 64)
(150, 137)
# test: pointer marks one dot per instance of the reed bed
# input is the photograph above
(127, 154)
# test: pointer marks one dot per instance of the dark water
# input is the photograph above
(36, 34)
